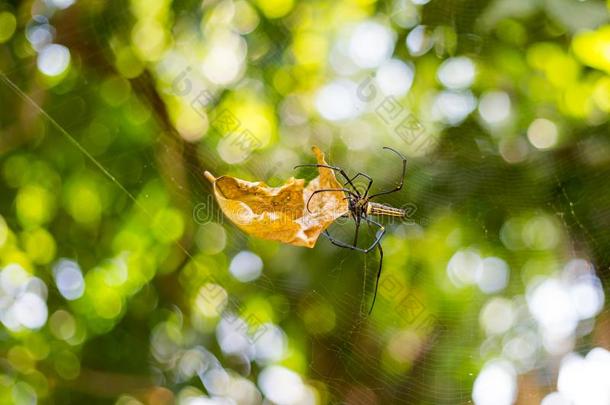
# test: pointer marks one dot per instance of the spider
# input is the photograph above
(361, 207)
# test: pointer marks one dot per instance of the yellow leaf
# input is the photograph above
(280, 213)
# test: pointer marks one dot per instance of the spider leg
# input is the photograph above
(357, 230)
(377, 244)
(338, 169)
(402, 177)
(379, 234)
(378, 276)
(368, 187)
(345, 190)
(342, 244)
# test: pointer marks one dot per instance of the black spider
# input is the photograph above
(361, 207)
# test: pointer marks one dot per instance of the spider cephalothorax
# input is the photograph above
(358, 206)
(361, 208)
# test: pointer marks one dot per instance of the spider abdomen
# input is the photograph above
(384, 210)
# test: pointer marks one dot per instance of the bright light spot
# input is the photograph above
(511, 234)
(69, 279)
(233, 336)
(555, 398)
(39, 32)
(193, 362)
(456, 73)
(275, 8)
(224, 61)
(497, 316)
(7, 316)
(22, 299)
(149, 37)
(12, 278)
(418, 41)
(84, 202)
(404, 346)
(37, 286)
(521, 349)
(167, 225)
(496, 384)
(371, 44)
(30, 310)
(584, 381)
(557, 345)
(405, 14)
(107, 302)
(221, 65)
(115, 271)
(271, 345)
(551, 305)
(191, 123)
(62, 325)
(514, 150)
(211, 237)
(587, 296)
(39, 245)
(463, 267)
(309, 47)
(8, 23)
(216, 381)
(61, 4)
(245, 18)
(542, 133)
(281, 386)
(493, 275)
(494, 107)
(453, 107)
(246, 266)
(340, 59)
(540, 233)
(34, 205)
(164, 341)
(53, 59)
(211, 300)
(337, 100)
(244, 391)
(292, 110)
(394, 77)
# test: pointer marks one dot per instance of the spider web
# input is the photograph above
(357, 346)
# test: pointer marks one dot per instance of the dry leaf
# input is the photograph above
(279, 213)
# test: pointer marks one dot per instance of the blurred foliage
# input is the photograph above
(120, 282)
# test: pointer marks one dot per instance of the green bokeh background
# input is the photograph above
(120, 190)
